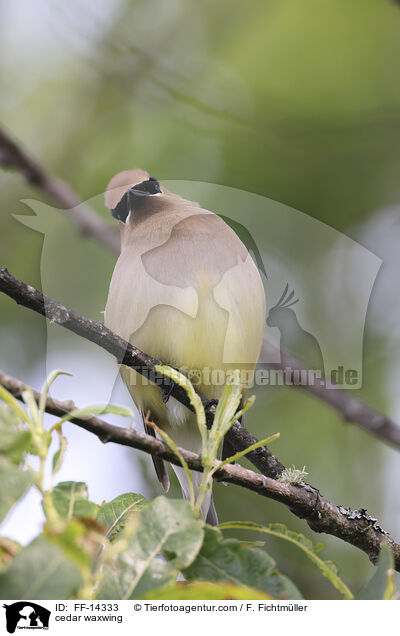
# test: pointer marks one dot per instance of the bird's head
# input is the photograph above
(128, 191)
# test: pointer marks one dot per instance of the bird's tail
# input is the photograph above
(207, 508)
(212, 517)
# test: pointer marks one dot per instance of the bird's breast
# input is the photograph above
(194, 303)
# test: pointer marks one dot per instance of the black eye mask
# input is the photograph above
(134, 197)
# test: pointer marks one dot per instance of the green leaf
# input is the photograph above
(72, 543)
(14, 483)
(281, 587)
(227, 407)
(328, 568)
(165, 527)
(229, 560)
(380, 586)
(249, 449)
(14, 404)
(94, 409)
(204, 590)
(40, 571)
(59, 454)
(70, 499)
(46, 387)
(30, 402)
(15, 437)
(8, 550)
(115, 514)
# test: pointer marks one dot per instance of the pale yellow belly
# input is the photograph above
(221, 331)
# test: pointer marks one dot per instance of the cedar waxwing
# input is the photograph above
(186, 291)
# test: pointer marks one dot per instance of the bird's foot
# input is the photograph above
(211, 403)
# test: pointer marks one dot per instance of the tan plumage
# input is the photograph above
(186, 291)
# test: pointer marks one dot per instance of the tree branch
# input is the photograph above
(86, 221)
(355, 411)
(355, 527)
(129, 355)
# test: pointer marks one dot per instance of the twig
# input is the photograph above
(355, 527)
(355, 411)
(87, 222)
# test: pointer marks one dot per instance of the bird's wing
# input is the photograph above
(247, 240)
